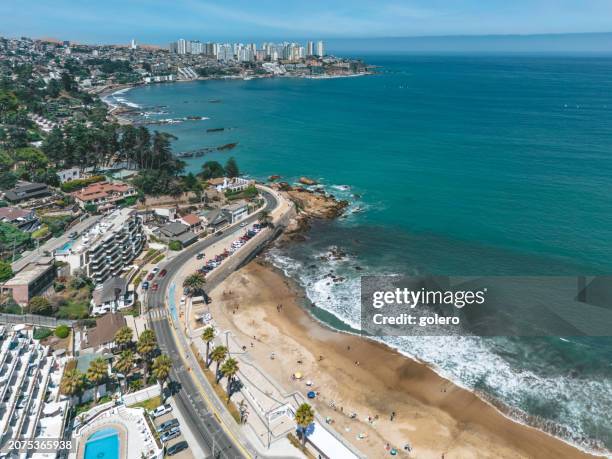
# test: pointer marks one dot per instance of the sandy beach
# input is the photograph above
(435, 417)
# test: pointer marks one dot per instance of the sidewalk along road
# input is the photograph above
(192, 398)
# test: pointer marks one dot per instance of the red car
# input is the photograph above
(162, 273)
(155, 287)
(150, 276)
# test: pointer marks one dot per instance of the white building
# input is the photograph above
(320, 49)
(30, 403)
(105, 249)
(66, 175)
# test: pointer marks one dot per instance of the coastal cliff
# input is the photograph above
(310, 205)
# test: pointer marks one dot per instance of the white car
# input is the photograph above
(183, 301)
(243, 224)
(155, 270)
(161, 410)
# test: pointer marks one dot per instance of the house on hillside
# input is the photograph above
(177, 231)
(110, 296)
(24, 219)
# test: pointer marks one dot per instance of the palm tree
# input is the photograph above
(218, 355)
(147, 343)
(161, 370)
(96, 373)
(123, 337)
(264, 218)
(72, 383)
(229, 369)
(124, 364)
(194, 282)
(207, 336)
(304, 416)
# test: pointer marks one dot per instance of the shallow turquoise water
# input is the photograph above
(103, 444)
(465, 165)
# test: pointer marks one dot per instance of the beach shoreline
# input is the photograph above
(434, 415)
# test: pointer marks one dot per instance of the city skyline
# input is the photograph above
(160, 22)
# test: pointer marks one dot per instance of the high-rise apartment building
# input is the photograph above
(105, 249)
(320, 49)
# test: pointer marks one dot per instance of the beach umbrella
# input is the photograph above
(298, 375)
(312, 394)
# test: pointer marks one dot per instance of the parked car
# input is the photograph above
(155, 287)
(183, 301)
(145, 285)
(218, 233)
(172, 433)
(162, 273)
(161, 410)
(167, 425)
(243, 224)
(200, 255)
(177, 448)
(150, 276)
(155, 270)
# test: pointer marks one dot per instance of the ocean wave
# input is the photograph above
(564, 406)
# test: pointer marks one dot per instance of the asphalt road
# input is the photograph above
(188, 398)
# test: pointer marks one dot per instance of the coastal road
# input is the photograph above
(213, 439)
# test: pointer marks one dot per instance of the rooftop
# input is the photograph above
(191, 219)
(30, 273)
(109, 290)
(105, 329)
(13, 213)
(100, 190)
(109, 225)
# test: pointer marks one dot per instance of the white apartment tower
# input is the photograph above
(310, 48)
(320, 49)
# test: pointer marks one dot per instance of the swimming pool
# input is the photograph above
(65, 248)
(103, 444)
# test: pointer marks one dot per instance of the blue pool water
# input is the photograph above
(103, 444)
(65, 247)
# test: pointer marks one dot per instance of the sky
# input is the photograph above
(162, 21)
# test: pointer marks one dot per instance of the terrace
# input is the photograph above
(30, 403)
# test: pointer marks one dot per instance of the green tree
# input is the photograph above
(124, 365)
(161, 370)
(231, 168)
(32, 157)
(40, 305)
(62, 331)
(212, 169)
(208, 335)
(6, 272)
(304, 416)
(97, 373)
(147, 344)
(72, 383)
(229, 369)
(7, 180)
(123, 337)
(194, 282)
(264, 218)
(175, 245)
(53, 89)
(218, 355)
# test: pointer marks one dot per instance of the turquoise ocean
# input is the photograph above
(457, 164)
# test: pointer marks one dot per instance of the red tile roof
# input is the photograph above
(191, 219)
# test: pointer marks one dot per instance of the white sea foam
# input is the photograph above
(468, 361)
